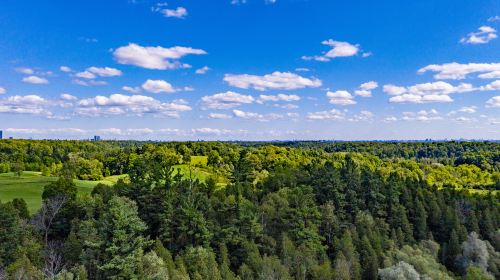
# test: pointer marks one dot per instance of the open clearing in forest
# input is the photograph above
(29, 186)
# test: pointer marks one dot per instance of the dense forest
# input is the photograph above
(284, 210)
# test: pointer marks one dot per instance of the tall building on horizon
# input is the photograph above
(1, 134)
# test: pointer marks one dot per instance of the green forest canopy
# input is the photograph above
(252, 210)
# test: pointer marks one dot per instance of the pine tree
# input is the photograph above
(369, 259)
(420, 221)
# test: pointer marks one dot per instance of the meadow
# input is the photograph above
(29, 185)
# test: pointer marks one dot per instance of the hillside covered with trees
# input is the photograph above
(252, 210)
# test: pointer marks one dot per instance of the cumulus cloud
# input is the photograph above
(35, 80)
(89, 83)
(466, 110)
(105, 71)
(159, 58)
(202, 70)
(25, 70)
(425, 92)
(93, 72)
(28, 104)
(225, 100)
(219, 116)
(340, 97)
(286, 106)
(139, 105)
(338, 49)
(274, 81)
(134, 90)
(493, 102)
(362, 116)
(179, 12)
(494, 18)
(482, 36)
(279, 97)
(365, 89)
(459, 71)
(158, 86)
(68, 97)
(2, 90)
(423, 116)
(389, 119)
(257, 116)
(333, 114)
(65, 69)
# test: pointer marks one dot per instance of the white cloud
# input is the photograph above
(390, 119)
(134, 90)
(89, 83)
(362, 116)
(340, 97)
(493, 102)
(179, 12)
(339, 49)
(423, 116)
(490, 75)
(495, 85)
(333, 114)
(158, 86)
(467, 110)
(426, 92)
(25, 70)
(256, 116)
(154, 57)
(458, 71)
(276, 81)
(93, 72)
(68, 97)
(464, 120)
(365, 89)
(138, 105)
(286, 106)
(28, 104)
(65, 69)
(279, 97)
(105, 71)
(35, 80)
(219, 116)
(394, 90)
(482, 36)
(202, 70)
(226, 100)
(85, 75)
(2, 90)
(302, 69)
(413, 98)
(494, 18)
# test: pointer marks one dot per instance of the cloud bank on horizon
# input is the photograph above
(171, 71)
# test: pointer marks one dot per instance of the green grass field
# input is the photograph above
(29, 186)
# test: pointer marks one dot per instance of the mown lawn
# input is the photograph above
(29, 186)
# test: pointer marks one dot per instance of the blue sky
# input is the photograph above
(250, 70)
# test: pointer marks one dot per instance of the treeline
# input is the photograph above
(286, 213)
(443, 164)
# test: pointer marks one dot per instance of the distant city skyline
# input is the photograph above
(250, 70)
